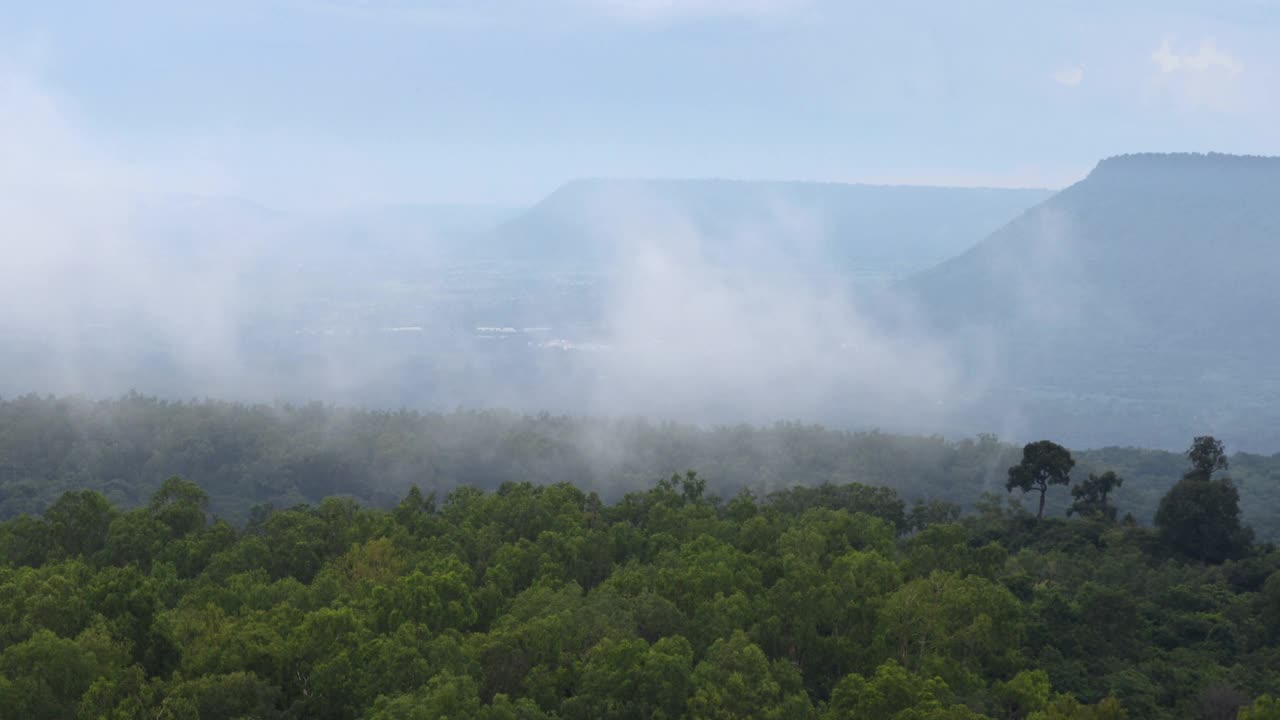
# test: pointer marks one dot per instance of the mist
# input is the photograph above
(91, 294)
(712, 302)
(119, 277)
(639, 358)
(772, 333)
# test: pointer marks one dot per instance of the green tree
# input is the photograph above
(444, 697)
(692, 487)
(415, 508)
(1044, 463)
(1200, 516)
(1268, 604)
(49, 674)
(952, 548)
(1207, 456)
(953, 625)
(79, 522)
(222, 697)
(1025, 693)
(181, 505)
(25, 541)
(125, 696)
(136, 537)
(934, 512)
(1065, 707)
(892, 693)
(1264, 708)
(1090, 496)
(440, 599)
(633, 680)
(736, 681)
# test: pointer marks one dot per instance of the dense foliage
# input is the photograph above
(249, 455)
(545, 602)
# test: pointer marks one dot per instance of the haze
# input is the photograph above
(397, 204)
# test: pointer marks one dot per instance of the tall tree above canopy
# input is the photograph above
(1044, 463)
(1200, 516)
(1207, 456)
(1090, 496)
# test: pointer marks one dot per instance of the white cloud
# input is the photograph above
(1208, 77)
(1209, 58)
(1070, 76)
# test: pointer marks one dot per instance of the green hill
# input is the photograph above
(1134, 306)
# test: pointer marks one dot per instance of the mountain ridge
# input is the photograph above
(1144, 282)
(895, 228)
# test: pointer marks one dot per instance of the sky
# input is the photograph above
(320, 103)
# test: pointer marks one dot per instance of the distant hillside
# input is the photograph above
(879, 231)
(1136, 306)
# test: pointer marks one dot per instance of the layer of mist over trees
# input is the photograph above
(544, 601)
(250, 455)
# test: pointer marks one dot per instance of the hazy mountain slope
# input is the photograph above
(1143, 295)
(879, 231)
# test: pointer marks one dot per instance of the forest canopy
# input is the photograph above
(543, 601)
(290, 582)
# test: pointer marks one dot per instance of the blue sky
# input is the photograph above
(322, 102)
